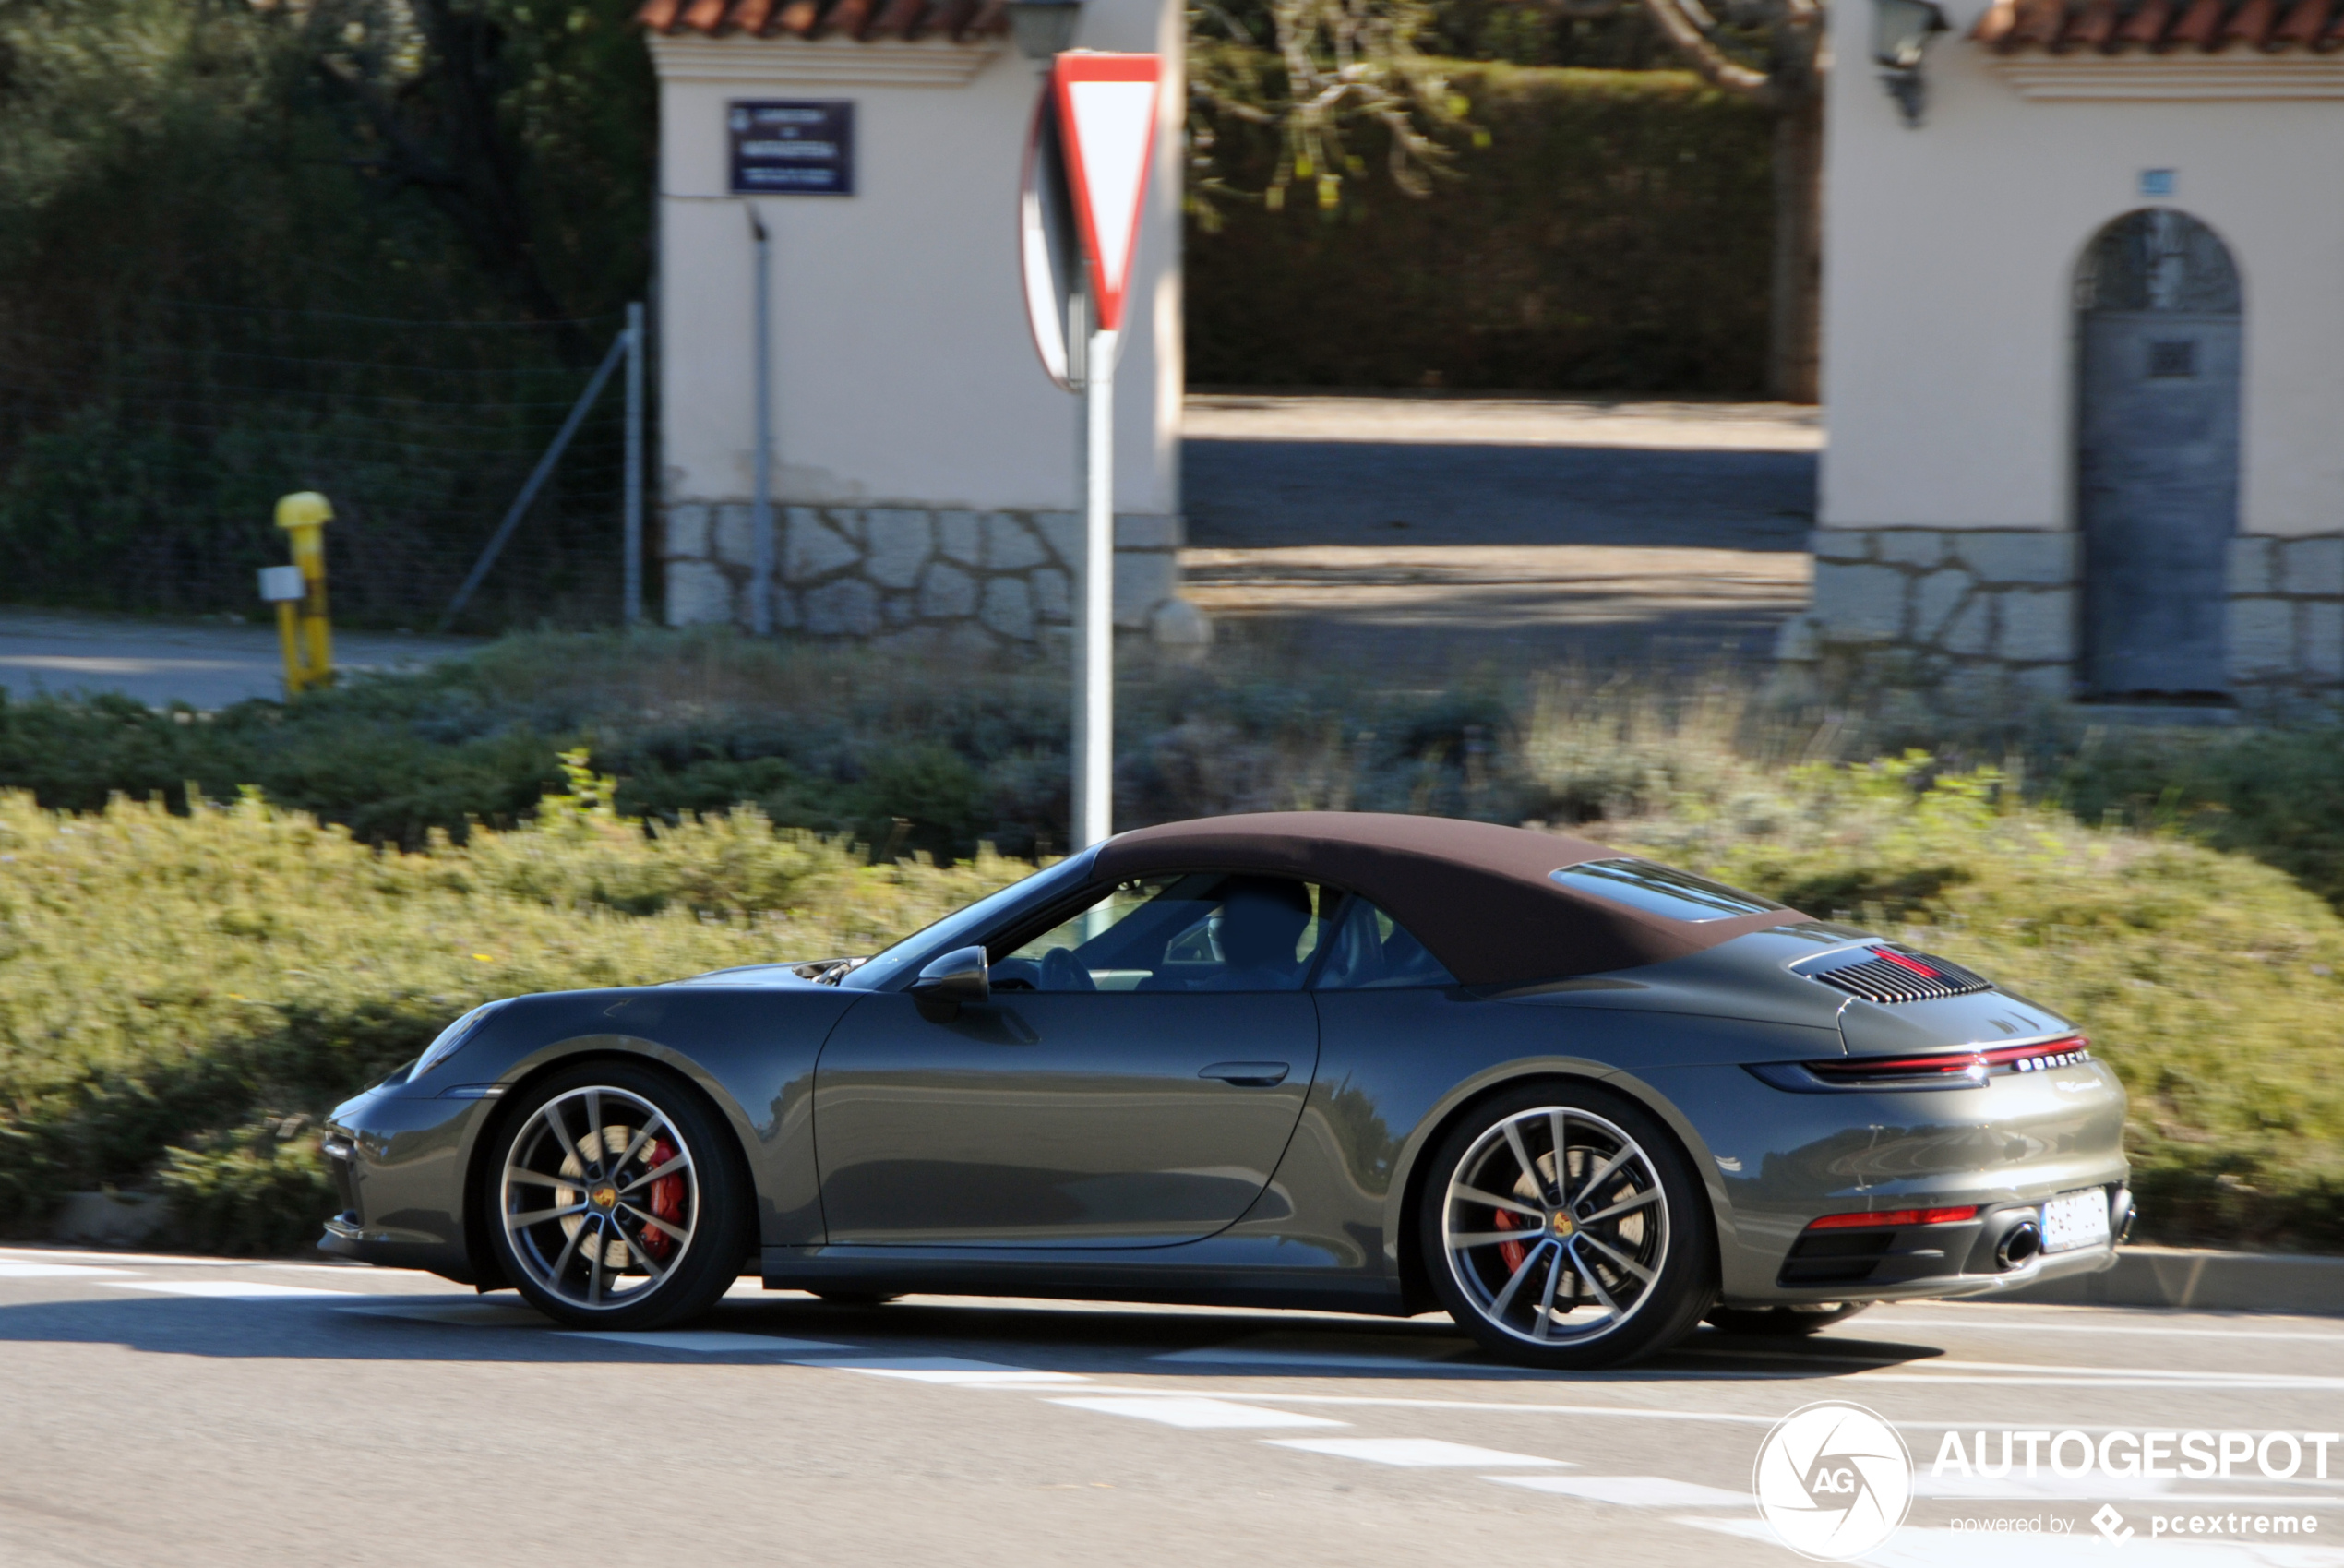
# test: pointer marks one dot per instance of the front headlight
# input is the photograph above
(451, 1038)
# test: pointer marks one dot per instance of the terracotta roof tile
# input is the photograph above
(2092, 28)
(2301, 27)
(2109, 27)
(959, 19)
(2250, 24)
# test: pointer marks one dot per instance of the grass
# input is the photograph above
(183, 988)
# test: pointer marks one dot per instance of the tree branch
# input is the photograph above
(1713, 64)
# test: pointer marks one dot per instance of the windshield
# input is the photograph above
(958, 929)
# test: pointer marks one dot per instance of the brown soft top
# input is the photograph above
(1475, 894)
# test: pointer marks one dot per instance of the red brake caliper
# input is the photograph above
(1511, 1252)
(667, 1200)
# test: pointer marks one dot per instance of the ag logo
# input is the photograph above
(1834, 1480)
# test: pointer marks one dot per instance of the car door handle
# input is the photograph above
(1247, 1075)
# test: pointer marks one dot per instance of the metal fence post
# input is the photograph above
(634, 505)
(760, 516)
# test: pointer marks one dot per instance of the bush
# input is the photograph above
(167, 983)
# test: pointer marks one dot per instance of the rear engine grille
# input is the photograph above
(1884, 974)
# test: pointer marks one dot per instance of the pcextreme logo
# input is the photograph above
(1833, 1479)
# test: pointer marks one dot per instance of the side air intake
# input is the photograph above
(1884, 974)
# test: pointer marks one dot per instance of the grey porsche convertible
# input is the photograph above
(1576, 1098)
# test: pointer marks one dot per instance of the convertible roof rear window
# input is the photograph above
(1660, 890)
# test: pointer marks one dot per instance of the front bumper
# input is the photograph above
(398, 1161)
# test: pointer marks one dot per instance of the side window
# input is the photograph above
(1372, 952)
(1183, 931)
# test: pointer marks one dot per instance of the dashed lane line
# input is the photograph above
(2036, 1326)
(226, 1290)
(12, 1270)
(1417, 1452)
(1197, 1413)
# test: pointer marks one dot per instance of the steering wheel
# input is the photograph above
(1060, 972)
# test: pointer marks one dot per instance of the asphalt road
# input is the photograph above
(159, 1411)
(206, 665)
(1383, 530)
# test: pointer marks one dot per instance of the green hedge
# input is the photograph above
(1614, 234)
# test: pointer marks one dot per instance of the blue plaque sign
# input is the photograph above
(793, 149)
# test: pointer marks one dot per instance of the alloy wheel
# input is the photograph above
(599, 1198)
(1555, 1226)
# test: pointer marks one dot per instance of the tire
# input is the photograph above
(590, 1231)
(1782, 1323)
(1632, 1282)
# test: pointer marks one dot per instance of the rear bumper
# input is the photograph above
(1778, 1162)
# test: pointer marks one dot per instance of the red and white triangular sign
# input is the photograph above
(1107, 106)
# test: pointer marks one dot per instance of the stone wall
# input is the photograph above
(2287, 612)
(876, 573)
(1967, 604)
(1954, 601)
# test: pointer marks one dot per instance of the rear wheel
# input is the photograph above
(616, 1203)
(1785, 1322)
(1562, 1229)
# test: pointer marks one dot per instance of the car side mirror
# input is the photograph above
(960, 978)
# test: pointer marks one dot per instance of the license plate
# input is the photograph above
(2076, 1219)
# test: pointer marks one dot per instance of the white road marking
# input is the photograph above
(2211, 1379)
(9, 1270)
(56, 1254)
(226, 1290)
(1414, 1452)
(1197, 1413)
(2037, 1326)
(1631, 1492)
(704, 1340)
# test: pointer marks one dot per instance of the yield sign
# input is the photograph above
(1106, 124)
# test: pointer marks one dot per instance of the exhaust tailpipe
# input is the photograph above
(2019, 1246)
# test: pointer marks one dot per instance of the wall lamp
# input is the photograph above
(1900, 33)
(1044, 27)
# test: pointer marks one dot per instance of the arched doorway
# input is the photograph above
(2157, 426)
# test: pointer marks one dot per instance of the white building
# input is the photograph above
(2084, 354)
(922, 463)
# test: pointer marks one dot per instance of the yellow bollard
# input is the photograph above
(309, 659)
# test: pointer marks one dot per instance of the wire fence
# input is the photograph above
(143, 446)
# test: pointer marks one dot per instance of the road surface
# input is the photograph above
(1437, 532)
(206, 665)
(193, 1413)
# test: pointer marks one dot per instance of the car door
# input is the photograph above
(1132, 1083)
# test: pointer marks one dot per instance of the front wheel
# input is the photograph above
(1562, 1229)
(615, 1203)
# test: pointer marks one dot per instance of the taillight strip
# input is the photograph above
(2043, 1055)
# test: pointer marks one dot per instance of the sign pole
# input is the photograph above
(1079, 204)
(1096, 769)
